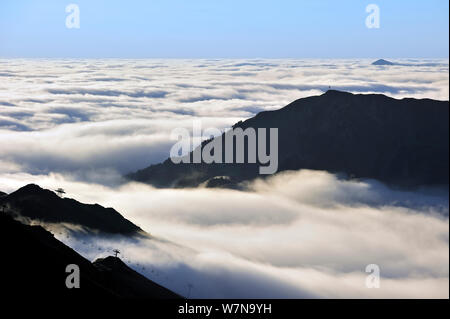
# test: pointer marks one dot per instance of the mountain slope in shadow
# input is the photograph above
(403, 142)
(36, 203)
(383, 62)
(34, 266)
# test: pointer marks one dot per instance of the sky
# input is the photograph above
(224, 29)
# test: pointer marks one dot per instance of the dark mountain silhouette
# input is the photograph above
(117, 274)
(36, 203)
(34, 264)
(382, 62)
(403, 142)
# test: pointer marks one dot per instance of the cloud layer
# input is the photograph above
(81, 124)
(79, 116)
(298, 234)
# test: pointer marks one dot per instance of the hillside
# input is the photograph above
(403, 142)
(34, 263)
(40, 204)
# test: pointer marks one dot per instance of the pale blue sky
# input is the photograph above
(228, 29)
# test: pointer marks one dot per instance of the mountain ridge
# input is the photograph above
(38, 204)
(383, 62)
(34, 265)
(397, 141)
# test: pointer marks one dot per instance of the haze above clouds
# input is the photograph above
(81, 124)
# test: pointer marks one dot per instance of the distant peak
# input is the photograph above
(382, 62)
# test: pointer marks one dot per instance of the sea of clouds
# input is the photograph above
(82, 117)
(305, 234)
(82, 124)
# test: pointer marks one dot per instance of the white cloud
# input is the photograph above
(75, 124)
(70, 113)
(311, 235)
